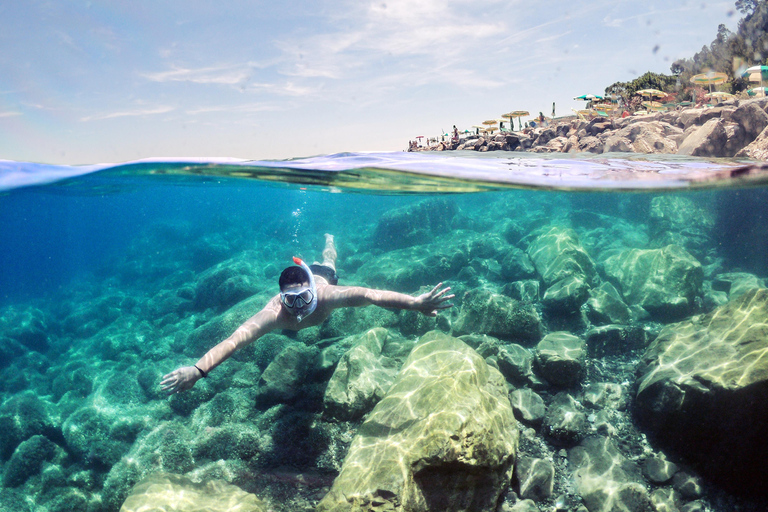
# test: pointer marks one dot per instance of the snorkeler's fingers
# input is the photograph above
(437, 286)
(443, 306)
(442, 292)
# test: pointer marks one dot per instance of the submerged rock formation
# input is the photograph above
(703, 390)
(444, 438)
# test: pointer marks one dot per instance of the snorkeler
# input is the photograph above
(308, 295)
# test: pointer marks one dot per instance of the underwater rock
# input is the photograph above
(23, 416)
(737, 283)
(88, 435)
(557, 254)
(225, 284)
(535, 478)
(665, 282)
(605, 306)
(361, 378)
(484, 312)
(406, 270)
(566, 295)
(680, 220)
(415, 224)
(703, 390)
(28, 460)
(565, 422)
(605, 479)
(165, 491)
(218, 328)
(28, 327)
(444, 438)
(351, 321)
(604, 395)
(560, 358)
(514, 362)
(524, 291)
(665, 500)
(516, 265)
(528, 406)
(659, 470)
(283, 379)
(614, 339)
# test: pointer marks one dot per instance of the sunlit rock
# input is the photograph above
(560, 358)
(605, 306)
(415, 224)
(605, 479)
(283, 379)
(484, 312)
(164, 491)
(361, 378)
(665, 282)
(703, 390)
(444, 438)
(535, 478)
(565, 422)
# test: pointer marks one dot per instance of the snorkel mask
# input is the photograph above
(302, 302)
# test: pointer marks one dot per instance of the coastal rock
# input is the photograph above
(605, 479)
(565, 422)
(712, 366)
(644, 137)
(757, 149)
(560, 358)
(414, 224)
(591, 144)
(485, 312)
(179, 493)
(605, 306)
(444, 437)
(283, 380)
(751, 118)
(361, 378)
(707, 140)
(535, 478)
(527, 406)
(665, 282)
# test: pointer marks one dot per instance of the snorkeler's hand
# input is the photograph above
(432, 301)
(180, 380)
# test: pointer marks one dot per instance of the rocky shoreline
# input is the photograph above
(737, 128)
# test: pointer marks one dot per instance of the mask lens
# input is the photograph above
(297, 300)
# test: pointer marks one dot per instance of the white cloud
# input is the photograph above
(129, 113)
(9, 114)
(227, 75)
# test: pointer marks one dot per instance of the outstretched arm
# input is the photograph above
(428, 303)
(255, 327)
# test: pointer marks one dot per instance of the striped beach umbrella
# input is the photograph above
(756, 74)
(758, 91)
(709, 78)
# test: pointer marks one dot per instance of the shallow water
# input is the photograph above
(105, 285)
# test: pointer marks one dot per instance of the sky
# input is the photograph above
(93, 82)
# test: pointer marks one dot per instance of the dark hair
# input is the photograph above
(293, 275)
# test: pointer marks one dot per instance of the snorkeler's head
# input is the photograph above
(297, 290)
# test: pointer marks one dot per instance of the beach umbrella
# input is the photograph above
(589, 97)
(720, 95)
(516, 114)
(653, 105)
(709, 78)
(758, 91)
(756, 74)
(651, 93)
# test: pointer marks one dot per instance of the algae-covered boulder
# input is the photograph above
(680, 220)
(226, 284)
(605, 306)
(361, 378)
(566, 295)
(167, 491)
(665, 282)
(408, 268)
(703, 389)
(444, 438)
(484, 312)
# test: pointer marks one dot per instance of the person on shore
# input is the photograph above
(308, 295)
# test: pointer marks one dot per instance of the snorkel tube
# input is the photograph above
(307, 310)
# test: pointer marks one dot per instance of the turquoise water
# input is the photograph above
(113, 275)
